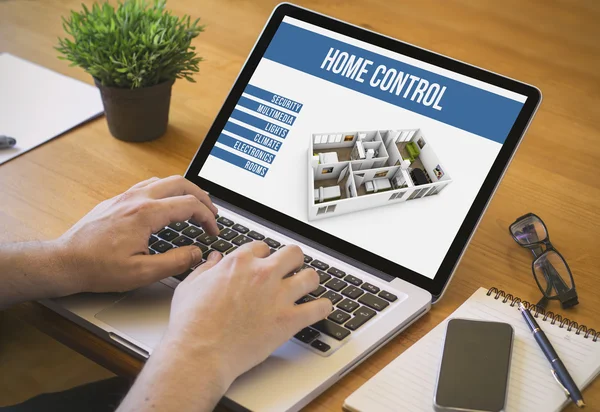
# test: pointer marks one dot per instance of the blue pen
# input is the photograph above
(7, 142)
(560, 372)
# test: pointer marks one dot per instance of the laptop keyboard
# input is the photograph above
(355, 302)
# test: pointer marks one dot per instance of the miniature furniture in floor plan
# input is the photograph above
(351, 171)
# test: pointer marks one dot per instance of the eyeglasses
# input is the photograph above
(550, 269)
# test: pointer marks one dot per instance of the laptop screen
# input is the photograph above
(373, 147)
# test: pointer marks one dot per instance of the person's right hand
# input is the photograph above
(229, 315)
(242, 308)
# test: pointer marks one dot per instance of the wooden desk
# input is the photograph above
(556, 173)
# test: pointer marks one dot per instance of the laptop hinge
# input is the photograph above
(315, 245)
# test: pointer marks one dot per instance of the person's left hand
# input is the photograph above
(107, 250)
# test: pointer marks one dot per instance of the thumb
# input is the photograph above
(171, 263)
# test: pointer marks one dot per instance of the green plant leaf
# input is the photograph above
(135, 44)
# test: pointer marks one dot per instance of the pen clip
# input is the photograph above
(560, 383)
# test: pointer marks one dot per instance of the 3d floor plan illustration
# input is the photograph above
(351, 171)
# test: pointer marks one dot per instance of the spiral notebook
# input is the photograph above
(408, 382)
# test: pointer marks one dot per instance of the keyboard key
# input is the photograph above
(370, 288)
(362, 315)
(271, 251)
(221, 245)
(388, 296)
(161, 246)
(152, 239)
(332, 296)
(353, 280)
(255, 235)
(373, 302)
(182, 241)
(318, 291)
(150, 251)
(178, 226)
(352, 292)
(307, 259)
(206, 239)
(339, 317)
(168, 234)
(228, 234)
(240, 228)
(307, 335)
(183, 275)
(304, 299)
(320, 265)
(348, 305)
(332, 329)
(336, 272)
(272, 243)
(202, 247)
(241, 240)
(323, 277)
(220, 226)
(223, 220)
(192, 232)
(336, 284)
(322, 346)
(231, 250)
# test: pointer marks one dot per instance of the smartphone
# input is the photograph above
(475, 366)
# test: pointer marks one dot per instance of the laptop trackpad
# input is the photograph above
(143, 314)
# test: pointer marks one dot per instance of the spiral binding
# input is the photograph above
(538, 311)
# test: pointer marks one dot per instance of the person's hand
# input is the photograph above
(227, 316)
(107, 250)
(242, 307)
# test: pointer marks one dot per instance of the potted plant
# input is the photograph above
(135, 52)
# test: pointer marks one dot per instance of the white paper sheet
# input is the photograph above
(37, 104)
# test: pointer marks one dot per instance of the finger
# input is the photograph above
(302, 283)
(288, 259)
(152, 268)
(310, 313)
(179, 186)
(258, 249)
(180, 208)
(144, 183)
(214, 258)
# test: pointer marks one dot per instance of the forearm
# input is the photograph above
(172, 381)
(34, 270)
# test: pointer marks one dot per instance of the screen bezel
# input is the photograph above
(436, 285)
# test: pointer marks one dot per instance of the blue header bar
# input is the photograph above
(449, 101)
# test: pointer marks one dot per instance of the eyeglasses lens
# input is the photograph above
(552, 274)
(529, 230)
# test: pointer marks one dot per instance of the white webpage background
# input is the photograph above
(415, 234)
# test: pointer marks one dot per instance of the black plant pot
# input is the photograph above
(137, 115)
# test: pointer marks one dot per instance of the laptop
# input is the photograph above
(378, 158)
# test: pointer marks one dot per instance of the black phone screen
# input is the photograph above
(475, 365)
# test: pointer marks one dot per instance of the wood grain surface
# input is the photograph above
(554, 45)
